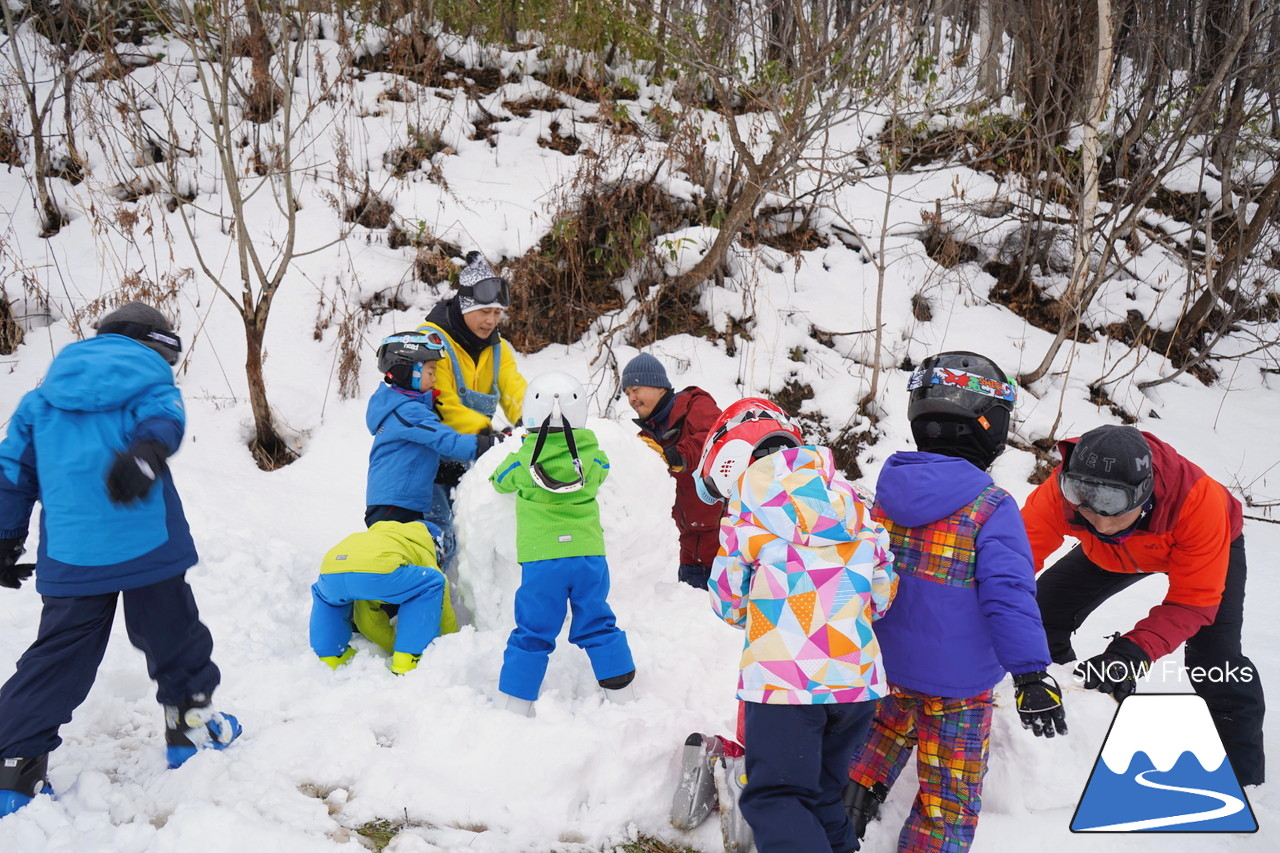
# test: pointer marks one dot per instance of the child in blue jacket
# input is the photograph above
(408, 437)
(965, 612)
(90, 445)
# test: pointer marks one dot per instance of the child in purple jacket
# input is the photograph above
(965, 612)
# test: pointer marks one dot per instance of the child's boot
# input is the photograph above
(193, 726)
(21, 779)
(402, 662)
(734, 828)
(523, 707)
(695, 795)
(335, 661)
(619, 689)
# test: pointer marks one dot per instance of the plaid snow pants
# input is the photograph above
(951, 738)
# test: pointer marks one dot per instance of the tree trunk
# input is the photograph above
(269, 450)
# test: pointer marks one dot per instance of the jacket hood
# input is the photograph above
(102, 373)
(797, 495)
(386, 400)
(917, 488)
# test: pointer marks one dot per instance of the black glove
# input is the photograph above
(449, 473)
(1117, 670)
(483, 442)
(11, 573)
(13, 576)
(1039, 701)
(674, 461)
(862, 804)
(135, 471)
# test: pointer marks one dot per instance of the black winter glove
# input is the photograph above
(12, 574)
(135, 471)
(674, 461)
(1117, 670)
(862, 804)
(483, 442)
(1039, 701)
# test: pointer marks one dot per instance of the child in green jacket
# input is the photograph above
(392, 562)
(560, 544)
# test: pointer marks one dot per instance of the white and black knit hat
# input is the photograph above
(480, 287)
(144, 324)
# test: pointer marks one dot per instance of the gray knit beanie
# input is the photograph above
(145, 325)
(644, 369)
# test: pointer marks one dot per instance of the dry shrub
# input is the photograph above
(135, 287)
(603, 229)
(11, 333)
(940, 244)
(10, 148)
(370, 210)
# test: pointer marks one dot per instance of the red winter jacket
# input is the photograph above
(683, 424)
(1187, 536)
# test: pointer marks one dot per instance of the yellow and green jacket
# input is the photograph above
(383, 548)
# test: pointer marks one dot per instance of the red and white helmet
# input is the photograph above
(748, 429)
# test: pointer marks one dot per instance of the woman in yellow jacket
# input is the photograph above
(479, 374)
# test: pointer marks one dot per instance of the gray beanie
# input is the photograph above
(145, 325)
(644, 369)
(476, 272)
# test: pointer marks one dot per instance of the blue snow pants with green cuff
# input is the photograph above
(545, 587)
(419, 591)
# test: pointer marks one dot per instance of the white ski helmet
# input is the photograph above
(554, 399)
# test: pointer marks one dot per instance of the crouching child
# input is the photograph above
(804, 569)
(392, 562)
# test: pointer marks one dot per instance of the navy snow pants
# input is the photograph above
(1072, 588)
(54, 676)
(797, 761)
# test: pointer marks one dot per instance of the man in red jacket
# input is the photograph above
(675, 424)
(1137, 507)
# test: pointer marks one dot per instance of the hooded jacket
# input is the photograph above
(682, 424)
(955, 635)
(475, 366)
(551, 525)
(806, 571)
(100, 396)
(1187, 535)
(408, 441)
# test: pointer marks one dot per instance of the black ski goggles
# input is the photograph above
(488, 291)
(167, 344)
(1101, 497)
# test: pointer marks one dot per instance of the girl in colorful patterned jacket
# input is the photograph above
(804, 569)
(965, 612)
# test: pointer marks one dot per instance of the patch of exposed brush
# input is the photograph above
(846, 443)
(569, 279)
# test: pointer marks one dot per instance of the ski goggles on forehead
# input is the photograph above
(488, 291)
(963, 380)
(1100, 497)
(431, 340)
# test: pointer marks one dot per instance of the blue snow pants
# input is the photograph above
(797, 766)
(545, 587)
(418, 590)
(54, 676)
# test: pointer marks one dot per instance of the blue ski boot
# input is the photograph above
(21, 779)
(193, 726)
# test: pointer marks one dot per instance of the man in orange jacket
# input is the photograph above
(1138, 507)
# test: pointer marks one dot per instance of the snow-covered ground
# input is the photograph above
(325, 752)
